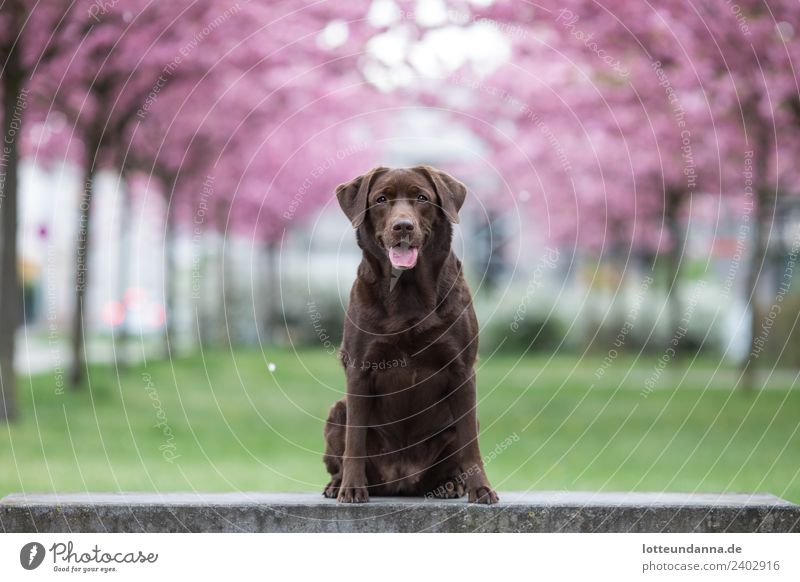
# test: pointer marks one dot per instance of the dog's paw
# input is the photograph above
(483, 494)
(352, 494)
(331, 490)
(450, 489)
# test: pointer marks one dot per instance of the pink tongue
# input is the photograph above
(403, 258)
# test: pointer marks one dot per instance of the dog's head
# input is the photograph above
(401, 209)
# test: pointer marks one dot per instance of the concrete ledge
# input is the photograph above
(310, 512)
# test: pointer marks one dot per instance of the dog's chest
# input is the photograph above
(411, 400)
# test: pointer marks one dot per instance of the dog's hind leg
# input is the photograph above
(334, 447)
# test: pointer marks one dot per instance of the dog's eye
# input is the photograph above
(381, 199)
(422, 198)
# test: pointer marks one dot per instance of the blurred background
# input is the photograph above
(175, 268)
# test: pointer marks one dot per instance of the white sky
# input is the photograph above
(450, 40)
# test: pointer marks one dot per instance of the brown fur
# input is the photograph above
(408, 424)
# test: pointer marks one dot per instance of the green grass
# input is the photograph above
(236, 426)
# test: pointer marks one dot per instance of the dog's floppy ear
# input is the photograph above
(352, 195)
(451, 192)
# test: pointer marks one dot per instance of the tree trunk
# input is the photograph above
(82, 263)
(272, 305)
(764, 206)
(170, 289)
(673, 265)
(220, 317)
(13, 104)
(763, 213)
(120, 334)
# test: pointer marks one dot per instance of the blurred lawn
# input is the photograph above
(239, 427)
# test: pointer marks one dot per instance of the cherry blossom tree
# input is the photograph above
(123, 55)
(697, 96)
(274, 102)
(602, 123)
(741, 59)
(29, 38)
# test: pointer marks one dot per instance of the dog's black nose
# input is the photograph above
(403, 224)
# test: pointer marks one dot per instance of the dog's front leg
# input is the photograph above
(354, 474)
(463, 403)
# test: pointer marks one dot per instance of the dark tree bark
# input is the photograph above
(120, 334)
(764, 213)
(222, 333)
(170, 281)
(78, 336)
(271, 305)
(673, 263)
(13, 104)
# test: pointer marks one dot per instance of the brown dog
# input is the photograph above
(408, 425)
